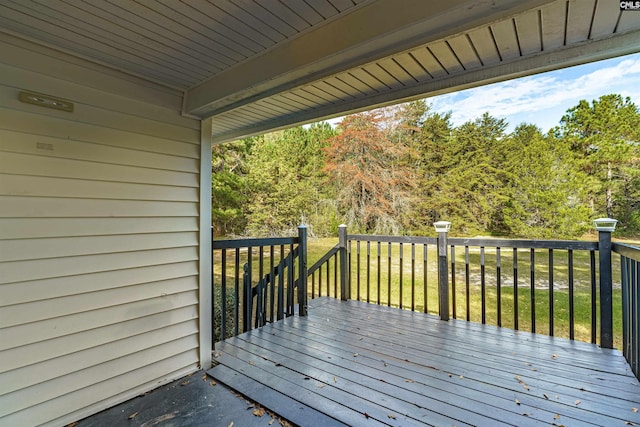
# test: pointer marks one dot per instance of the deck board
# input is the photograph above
(362, 364)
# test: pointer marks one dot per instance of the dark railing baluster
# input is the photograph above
(272, 284)
(320, 280)
(572, 311)
(389, 274)
(483, 286)
(551, 292)
(368, 270)
(335, 276)
(358, 269)
(425, 273)
(400, 267)
(453, 281)
(515, 289)
(413, 277)
(236, 297)
(379, 248)
(499, 286)
(281, 312)
(532, 277)
(467, 282)
(223, 293)
(592, 260)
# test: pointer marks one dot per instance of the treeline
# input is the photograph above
(399, 169)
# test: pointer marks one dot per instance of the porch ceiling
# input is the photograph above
(258, 65)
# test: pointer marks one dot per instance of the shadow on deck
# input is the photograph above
(355, 363)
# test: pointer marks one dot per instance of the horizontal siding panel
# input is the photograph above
(103, 118)
(27, 376)
(65, 409)
(39, 124)
(38, 186)
(31, 354)
(36, 311)
(22, 79)
(67, 68)
(53, 328)
(22, 271)
(29, 228)
(47, 207)
(27, 143)
(26, 249)
(28, 164)
(84, 378)
(37, 290)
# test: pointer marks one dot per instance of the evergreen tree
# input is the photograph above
(605, 138)
(545, 189)
(228, 188)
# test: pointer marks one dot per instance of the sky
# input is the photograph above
(543, 99)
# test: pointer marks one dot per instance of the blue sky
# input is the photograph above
(542, 99)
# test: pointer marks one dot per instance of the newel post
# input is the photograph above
(345, 289)
(302, 272)
(605, 226)
(442, 227)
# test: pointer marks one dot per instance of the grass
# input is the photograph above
(410, 283)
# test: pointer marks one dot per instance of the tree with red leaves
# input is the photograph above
(369, 172)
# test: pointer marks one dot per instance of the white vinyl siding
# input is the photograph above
(99, 238)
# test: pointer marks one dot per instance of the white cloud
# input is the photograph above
(532, 96)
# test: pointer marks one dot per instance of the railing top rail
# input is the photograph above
(322, 260)
(246, 243)
(393, 239)
(627, 250)
(534, 244)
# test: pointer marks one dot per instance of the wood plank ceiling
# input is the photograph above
(256, 65)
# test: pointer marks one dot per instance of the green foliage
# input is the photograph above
(605, 139)
(399, 169)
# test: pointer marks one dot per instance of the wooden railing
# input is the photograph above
(256, 281)
(540, 286)
(630, 275)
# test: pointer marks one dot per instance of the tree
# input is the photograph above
(228, 188)
(605, 138)
(545, 189)
(372, 183)
(286, 183)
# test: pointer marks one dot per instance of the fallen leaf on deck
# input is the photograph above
(366, 415)
(204, 377)
(517, 402)
(355, 355)
(321, 385)
(251, 362)
(271, 421)
(132, 416)
(634, 409)
(73, 424)
(554, 356)
(409, 381)
(250, 405)
(526, 414)
(183, 383)
(258, 412)
(629, 423)
(461, 376)
(517, 377)
(534, 369)
(577, 402)
(393, 417)
(450, 375)
(335, 380)
(230, 424)
(212, 382)
(556, 417)
(307, 378)
(545, 396)
(386, 364)
(526, 387)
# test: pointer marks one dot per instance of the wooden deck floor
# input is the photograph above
(360, 364)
